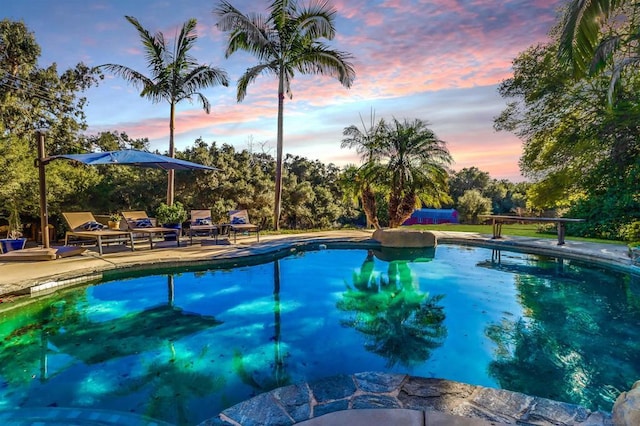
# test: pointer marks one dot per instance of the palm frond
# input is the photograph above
(249, 77)
(316, 21)
(319, 59)
(581, 30)
(154, 46)
(184, 42)
(617, 71)
(603, 53)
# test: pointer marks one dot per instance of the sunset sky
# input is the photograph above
(437, 60)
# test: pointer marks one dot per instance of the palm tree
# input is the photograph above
(588, 42)
(284, 42)
(405, 157)
(414, 162)
(357, 181)
(175, 76)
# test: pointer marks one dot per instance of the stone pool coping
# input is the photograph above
(305, 402)
(19, 278)
(36, 278)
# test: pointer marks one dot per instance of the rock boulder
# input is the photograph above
(626, 410)
(405, 237)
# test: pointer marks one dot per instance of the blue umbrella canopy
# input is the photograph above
(132, 157)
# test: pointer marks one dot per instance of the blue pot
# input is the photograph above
(8, 244)
(176, 226)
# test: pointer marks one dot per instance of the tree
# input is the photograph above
(358, 183)
(472, 204)
(577, 143)
(466, 179)
(286, 41)
(175, 76)
(413, 161)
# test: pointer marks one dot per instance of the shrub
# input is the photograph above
(630, 231)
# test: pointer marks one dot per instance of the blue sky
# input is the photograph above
(437, 60)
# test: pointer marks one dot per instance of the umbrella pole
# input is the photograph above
(44, 214)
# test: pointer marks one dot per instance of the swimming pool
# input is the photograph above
(181, 347)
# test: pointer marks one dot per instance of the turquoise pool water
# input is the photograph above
(182, 347)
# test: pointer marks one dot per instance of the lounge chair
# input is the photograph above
(141, 224)
(239, 222)
(83, 226)
(200, 223)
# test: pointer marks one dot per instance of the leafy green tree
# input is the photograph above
(175, 76)
(466, 179)
(577, 145)
(471, 205)
(286, 41)
(34, 98)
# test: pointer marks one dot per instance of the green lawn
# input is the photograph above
(515, 229)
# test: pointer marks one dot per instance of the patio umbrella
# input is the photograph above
(126, 157)
(131, 157)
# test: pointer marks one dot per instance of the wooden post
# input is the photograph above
(44, 213)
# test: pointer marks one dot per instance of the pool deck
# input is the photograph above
(23, 280)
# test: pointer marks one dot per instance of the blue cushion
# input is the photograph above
(143, 223)
(90, 226)
(204, 221)
(238, 221)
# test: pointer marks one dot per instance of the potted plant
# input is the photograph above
(171, 216)
(114, 221)
(14, 240)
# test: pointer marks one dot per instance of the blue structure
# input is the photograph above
(432, 217)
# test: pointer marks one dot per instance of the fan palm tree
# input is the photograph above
(588, 42)
(284, 42)
(175, 76)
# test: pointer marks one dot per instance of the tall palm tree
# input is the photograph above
(284, 42)
(175, 76)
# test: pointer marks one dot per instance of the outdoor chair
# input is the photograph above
(239, 222)
(200, 223)
(83, 226)
(141, 224)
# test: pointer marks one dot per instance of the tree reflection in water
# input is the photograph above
(401, 323)
(277, 375)
(561, 349)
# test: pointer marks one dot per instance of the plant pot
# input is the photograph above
(171, 236)
(8, 244)
(113, 224)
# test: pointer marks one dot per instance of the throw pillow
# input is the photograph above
(205, 221)
(90, 226)
(238, 221)
(143, 223)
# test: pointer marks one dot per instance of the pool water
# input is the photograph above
(182, 347)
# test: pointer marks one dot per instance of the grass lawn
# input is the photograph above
(515, 229)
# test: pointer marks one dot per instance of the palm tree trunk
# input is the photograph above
(369, 207)
(278, 190)
(172, 154)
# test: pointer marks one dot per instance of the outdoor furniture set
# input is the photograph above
(84, 228)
